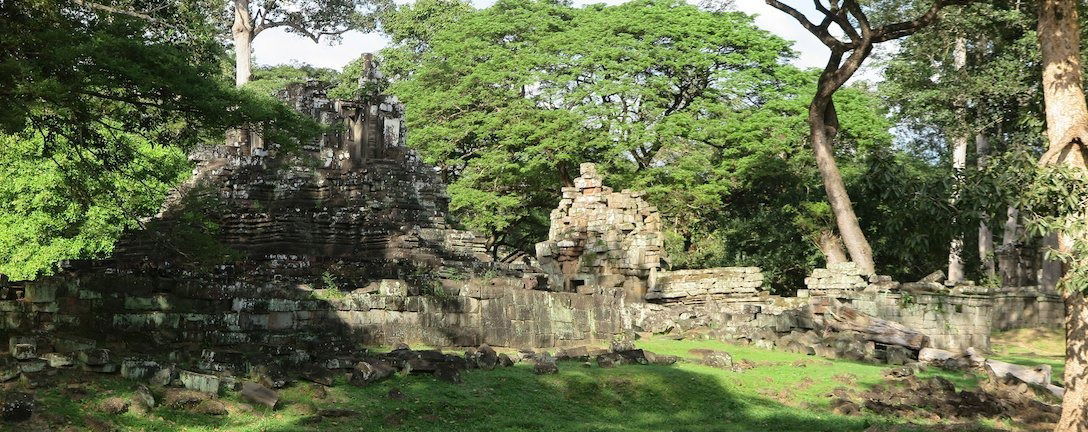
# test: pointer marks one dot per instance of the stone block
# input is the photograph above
(138, 369)
(39, 292)
(199, 382)
(58, 361)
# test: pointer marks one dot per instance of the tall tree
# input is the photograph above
(959, 163)
(699, 109)
(845, 59)
(315, 19)
(1067, 132)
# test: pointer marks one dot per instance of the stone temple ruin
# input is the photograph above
(297, 258)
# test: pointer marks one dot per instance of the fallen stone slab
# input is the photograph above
(94, 357)
(1038, 375)
(319, 375)
(137, 369)
(24, 351)
(545, 364)
(199, 382)
(367, 372)
(59, 361)
(448, 372)
(931, 355)
(260, 394)
(32, 366)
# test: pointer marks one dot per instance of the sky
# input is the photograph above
(276, 46)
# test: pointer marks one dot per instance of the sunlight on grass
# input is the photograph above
(779, 392)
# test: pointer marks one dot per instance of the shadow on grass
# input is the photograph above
(629, 398)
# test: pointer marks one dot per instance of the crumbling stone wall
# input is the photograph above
(954, 317)
(157, 313)
(601, 239)
(705, 285)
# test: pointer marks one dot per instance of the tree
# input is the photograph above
(862, 36)
(94, 96)
(315, 19)
(995, 97)
(410, 28)
(1067, 133)
(518, 94)
(699, 109)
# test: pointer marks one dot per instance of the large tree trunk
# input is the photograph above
(243, 42)
(1067, 123)
(823, 122)
(1010, 254)
(959, 162)
(955, 248)
(1074, 409)
(985, 235)
(831, 246)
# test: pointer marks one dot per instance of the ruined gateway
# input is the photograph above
(314, 254)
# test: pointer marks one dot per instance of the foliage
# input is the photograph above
(102, 105)
(697, 108)
(66, 207)
(314, 19)
(1051, 199)
(269, 80)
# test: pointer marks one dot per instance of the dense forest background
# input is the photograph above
(694, 105)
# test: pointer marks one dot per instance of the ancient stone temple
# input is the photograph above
(296, 257)
(602, 239)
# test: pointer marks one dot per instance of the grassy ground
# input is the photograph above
(783, 392)
(1032, 347)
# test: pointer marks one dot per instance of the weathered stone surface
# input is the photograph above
(199, 382)
(486, 357)
(368, 372)
(601, 238)
(94, 357)
(718, 359)
(57, 360)
(143, 398)
(24, 351)
(259, 394)
(545, 364)
(448, 372)
(138, 369)
(318, 374)
(32, 366)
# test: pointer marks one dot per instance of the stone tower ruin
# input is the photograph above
(602, 239)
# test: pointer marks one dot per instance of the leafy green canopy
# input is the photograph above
(100, 104)
(698, 108)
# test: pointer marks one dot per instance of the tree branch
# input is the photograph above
(819, 31)
(113, 10)
(905, 28)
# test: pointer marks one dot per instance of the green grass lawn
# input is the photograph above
(1032, 347)
(783, 392)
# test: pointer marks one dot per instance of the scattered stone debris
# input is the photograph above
(545, 364)
(712, 358)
